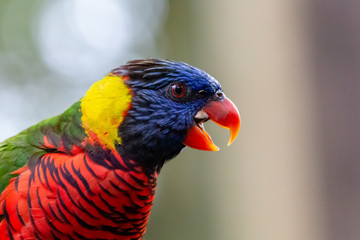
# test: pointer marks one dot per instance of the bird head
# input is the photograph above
(149, 110)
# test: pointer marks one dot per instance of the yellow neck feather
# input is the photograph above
(103, 109)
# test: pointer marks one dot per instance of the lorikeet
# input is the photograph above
(90, 172)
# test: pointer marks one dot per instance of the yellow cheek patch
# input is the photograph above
(103, 109)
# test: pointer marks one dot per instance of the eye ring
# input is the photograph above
(178, 90)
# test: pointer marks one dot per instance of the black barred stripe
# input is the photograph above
(139, 226)
(82, 197)
(40, 203)
(143, 197)
(112, 208)
(53, 235)
(62, 203)
(133, 221)
(44, 168)
(61, 213)
(36, 235)
(137, 180)
(135, 204)
(106, 191)
(32, 220)
(106, 214)
(54, 214)
(131, 210)
(64, 186)
(47, 215)
(81, 236)
(82, 179)
(67, 175)
(90, 169)
(74, 204)
(126, 220)
(52, 169)
(119, 189)
(83, 209)
(105, 228)
(39, 175)
(8, 228)
(71, 238)
(125, 193)
(65, 189)
(85, 224)
(124, 181)
(52, 226)
(6, 215)
(31, 177)
(28, 199)
(19, 216)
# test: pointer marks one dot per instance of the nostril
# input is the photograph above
(219, 95)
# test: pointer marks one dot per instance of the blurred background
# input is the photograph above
(291, 67)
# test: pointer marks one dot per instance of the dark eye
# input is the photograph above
(178, 90)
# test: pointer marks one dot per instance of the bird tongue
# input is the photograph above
(198, 138)
(222, 112)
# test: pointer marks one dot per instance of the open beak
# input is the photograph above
(224, 113)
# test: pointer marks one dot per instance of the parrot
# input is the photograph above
(91, 172)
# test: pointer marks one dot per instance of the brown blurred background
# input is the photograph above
(291, 67)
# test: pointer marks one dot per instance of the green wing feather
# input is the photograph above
(62, 131)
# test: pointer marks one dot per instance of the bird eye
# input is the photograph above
(178, 90)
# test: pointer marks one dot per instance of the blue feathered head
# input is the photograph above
(170, 101)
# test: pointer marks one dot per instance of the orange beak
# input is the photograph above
(224, 113)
